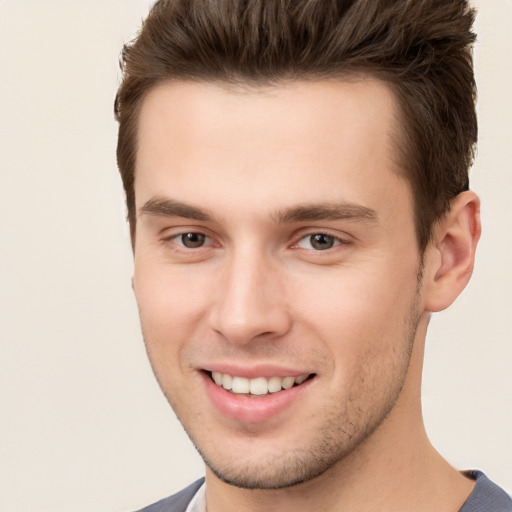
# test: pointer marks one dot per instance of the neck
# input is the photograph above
(396, 469)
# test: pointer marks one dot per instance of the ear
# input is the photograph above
(450, 257)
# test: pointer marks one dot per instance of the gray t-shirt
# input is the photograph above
(485, 497)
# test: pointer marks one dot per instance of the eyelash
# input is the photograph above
(178, 239)
(180, 236)
(336, 241)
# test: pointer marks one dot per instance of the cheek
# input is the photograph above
(171, 304)
(169, 311)
(348, 296)
(357, 313)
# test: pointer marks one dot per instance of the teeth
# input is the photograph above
(240, 385)
(301, 379)
(288, 382)
(274, 384)
(257, 386)
(227, 381)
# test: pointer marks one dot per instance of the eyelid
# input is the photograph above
(171, 235)
(179, 237)
(307, 239)
(341, 239)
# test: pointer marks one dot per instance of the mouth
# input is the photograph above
(257, 395)
(259, 386)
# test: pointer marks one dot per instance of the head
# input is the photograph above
(295, 177)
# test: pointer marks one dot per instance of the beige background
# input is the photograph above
(83, 426)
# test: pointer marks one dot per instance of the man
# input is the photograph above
(296, 176)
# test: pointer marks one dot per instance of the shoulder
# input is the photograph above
(486, 496)
(177, 502)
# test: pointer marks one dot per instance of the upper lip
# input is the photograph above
(256, 370)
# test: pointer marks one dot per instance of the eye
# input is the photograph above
(191, 240)
(318, 242)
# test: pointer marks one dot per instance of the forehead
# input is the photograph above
(292, 142)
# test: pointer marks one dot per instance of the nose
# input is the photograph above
(250, 302)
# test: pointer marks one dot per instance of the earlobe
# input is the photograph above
(451, 254)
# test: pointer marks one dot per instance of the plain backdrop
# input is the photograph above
(83, 425)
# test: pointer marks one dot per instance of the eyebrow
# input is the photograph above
(329, 211)
(160, 206)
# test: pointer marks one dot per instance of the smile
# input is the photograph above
(259, 386)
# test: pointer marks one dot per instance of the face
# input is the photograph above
(276, 271)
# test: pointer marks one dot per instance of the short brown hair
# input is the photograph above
(421, 48)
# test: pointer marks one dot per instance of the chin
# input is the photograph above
(280, 473)
(277, 466)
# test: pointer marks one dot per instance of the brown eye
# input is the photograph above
(321, 242)
(193, 240)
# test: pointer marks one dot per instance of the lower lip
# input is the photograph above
(244, 409)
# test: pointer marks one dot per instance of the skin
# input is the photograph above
(243, 168)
